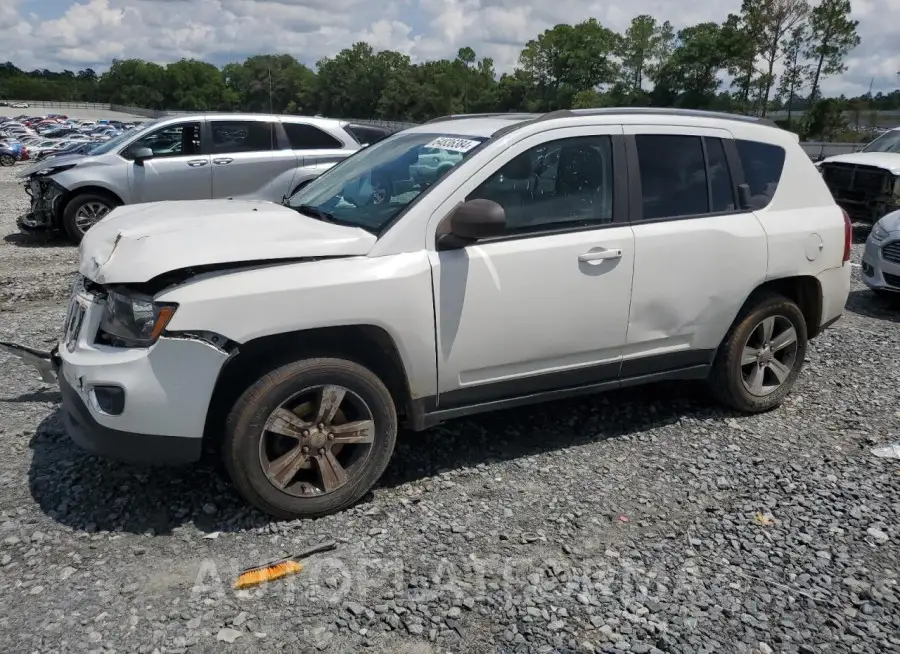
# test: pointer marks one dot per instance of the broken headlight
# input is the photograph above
(50, 169)
(133, 321)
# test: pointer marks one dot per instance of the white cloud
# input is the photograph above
(93, 32)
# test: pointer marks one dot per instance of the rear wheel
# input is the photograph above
(310, 438)
(7, 160)
(84, 211)
(761, 357)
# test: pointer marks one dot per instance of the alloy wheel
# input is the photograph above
(7, 160)
(316, 441)
(89, 214)
(769, 355)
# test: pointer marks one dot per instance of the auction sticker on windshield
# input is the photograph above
(453, 144)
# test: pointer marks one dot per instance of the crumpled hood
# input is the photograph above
(135, 243)
(890, 222)
(887, 160)
(61, 160)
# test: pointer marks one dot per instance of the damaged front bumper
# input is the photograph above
(46, 363)
(46, 196)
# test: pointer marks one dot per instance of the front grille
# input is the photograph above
(892, 280)
(891, 252)
(867, 180)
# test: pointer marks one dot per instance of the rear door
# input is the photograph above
(178, 169)
(698, 254)
(246, 162)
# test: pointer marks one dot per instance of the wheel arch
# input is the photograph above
(804, 290)
(368, 345)
(70, 195)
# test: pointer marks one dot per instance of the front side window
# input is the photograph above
(370, 188)
(182, 139)
(236, 136)
(889, 142)
(564, 183)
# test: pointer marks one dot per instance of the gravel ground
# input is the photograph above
(646, 521)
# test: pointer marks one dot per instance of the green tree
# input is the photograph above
(832, 35)
(778, 18)
(796, 70)
(264, 83)
(741, 43)
(570, 58)
(636, 49)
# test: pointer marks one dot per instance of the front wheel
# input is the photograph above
(759, 360)
(7, 160)
(83, 212)
(310, 438)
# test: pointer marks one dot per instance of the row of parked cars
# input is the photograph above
(24, 138)
(291, 291)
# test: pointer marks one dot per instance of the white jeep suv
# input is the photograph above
(559, 254)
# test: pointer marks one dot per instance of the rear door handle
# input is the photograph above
(596, 256)
(196, 163)
(222, 162)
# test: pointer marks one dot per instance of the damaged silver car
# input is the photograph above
(195, 157)
(866, 183)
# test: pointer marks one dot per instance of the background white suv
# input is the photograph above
(560, 254)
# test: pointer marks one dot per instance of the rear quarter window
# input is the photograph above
(763, 164)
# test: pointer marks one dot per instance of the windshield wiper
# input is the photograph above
(315, 212)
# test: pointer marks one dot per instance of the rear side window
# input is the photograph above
(307, 137)
(673, 175)
(365, 134)
(720, 185)
(235, 136)
(762, 164)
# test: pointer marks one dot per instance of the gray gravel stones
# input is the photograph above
(646, 522)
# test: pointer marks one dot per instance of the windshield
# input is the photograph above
(370, 188)
(889, 142)
(117, 141)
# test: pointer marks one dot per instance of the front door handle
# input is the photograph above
(222, 162)
(196, 163)
(596, 256)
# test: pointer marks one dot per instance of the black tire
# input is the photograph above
(727, 378)
(7, 160)
(70, 213)
(244, 431)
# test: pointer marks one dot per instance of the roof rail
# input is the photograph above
(497, 114)
(656, 111)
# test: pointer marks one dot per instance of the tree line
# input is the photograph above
(568, 66)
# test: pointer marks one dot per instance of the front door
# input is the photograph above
(177, 170)
(546, 305)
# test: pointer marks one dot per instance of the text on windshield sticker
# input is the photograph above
(452, 144)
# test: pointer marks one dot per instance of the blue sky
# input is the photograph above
(75, 34)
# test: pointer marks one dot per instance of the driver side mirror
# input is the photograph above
(470, 222)
(140, 155)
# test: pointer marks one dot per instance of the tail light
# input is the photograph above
(848, 235)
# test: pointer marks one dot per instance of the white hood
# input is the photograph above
(887, 160)
(135, 243)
